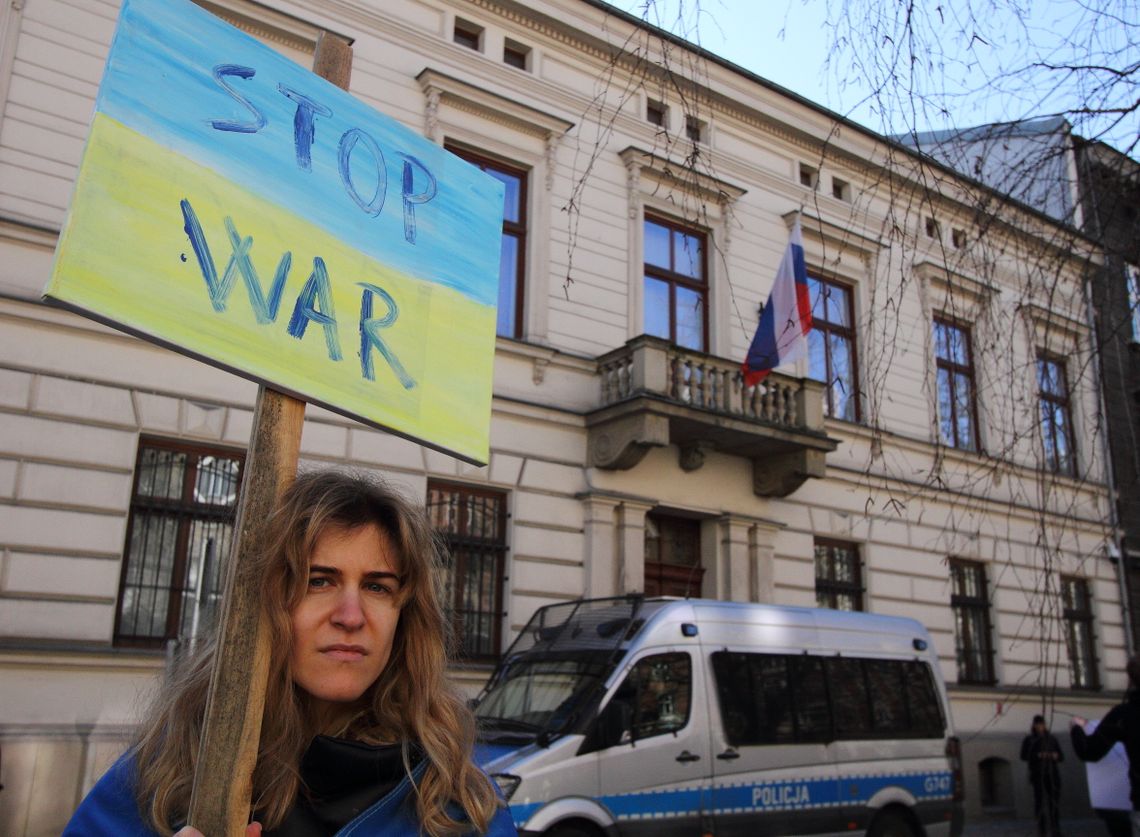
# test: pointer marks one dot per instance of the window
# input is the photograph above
(473, 525)
(1056, 419)
(838, 576)
(798, 698)
(672, 556)
(840, 189)
(957, 417)
(831, 346)
(675, 289)
(694, 129)
(972, 642)
(958, 239)
(468, 34)
(1132, 277)
(516, 54)
(933, 228)
(178, 535)
(656, 113)
(1079, 632)
(809, 176)
(512, 260)
(658, 694)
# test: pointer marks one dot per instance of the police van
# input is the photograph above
(628, 716)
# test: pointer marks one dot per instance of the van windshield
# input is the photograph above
(541, 694)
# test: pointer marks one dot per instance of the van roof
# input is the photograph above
(610, 624)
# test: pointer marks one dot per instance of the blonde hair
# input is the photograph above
(411, 702)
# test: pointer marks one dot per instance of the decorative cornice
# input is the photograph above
(679, 176)
(959, 283)
(1053, 322)
(467, 97)
(834, 235)
(267, 24)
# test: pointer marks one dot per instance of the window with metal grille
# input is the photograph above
(973, 645)
(831, 346)
(178, 536)
(512, 256)
(1056, 416)
(838, 575)
(957, 404)
(676, 293)
(672, 556)
(473, 524)
(1079, 632)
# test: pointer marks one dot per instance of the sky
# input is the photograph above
(980, 59)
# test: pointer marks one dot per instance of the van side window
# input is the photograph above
(809, 697)
(849, 697)
(786, 698)
(658, 691)
(926, 719)
(885, 682)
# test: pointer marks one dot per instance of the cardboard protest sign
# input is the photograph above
(237, 208)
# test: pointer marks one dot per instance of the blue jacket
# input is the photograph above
(110, 810)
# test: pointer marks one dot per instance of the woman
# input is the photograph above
(362, 733)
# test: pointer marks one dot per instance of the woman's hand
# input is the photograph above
(251, 830)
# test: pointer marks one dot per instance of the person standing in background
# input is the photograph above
(1041, 750)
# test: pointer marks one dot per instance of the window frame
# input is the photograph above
(674, 279)
(966, 648)
(467, 34)
(1132, 290)
(954, 369)
(515, 229)
(1078, 618)
(829, 588)
(1056, 402)
(186, 513)
(666, 575)
(847, 333)
(458, 545)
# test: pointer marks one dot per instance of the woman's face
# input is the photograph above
(343, 627)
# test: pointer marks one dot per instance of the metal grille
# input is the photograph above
(179, 533)
(1079, 632)
(971, 606)
(473, 524)
(838, 575)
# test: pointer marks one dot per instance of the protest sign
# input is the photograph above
(240, 209)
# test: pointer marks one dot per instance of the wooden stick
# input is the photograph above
(223, 777)
(227, 754)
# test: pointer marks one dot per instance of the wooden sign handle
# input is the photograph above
(227, 752)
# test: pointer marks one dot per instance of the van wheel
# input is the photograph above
(890, 824)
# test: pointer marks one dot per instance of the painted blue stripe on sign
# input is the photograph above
(208, 91)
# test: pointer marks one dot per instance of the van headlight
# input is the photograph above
(507, 783)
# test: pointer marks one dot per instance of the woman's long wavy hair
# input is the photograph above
(411, 702)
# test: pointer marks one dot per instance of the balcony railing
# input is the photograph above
(654, 393)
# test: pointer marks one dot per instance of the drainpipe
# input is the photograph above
(1115, 546)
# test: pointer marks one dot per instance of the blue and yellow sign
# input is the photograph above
(240, 209)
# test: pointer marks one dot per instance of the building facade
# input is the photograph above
(937, 455)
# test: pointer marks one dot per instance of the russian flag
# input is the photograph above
(781, 336)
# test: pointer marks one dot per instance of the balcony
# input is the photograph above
(656, 394)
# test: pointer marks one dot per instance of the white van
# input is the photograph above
(630, 716)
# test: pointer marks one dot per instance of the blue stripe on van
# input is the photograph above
(791, 795)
